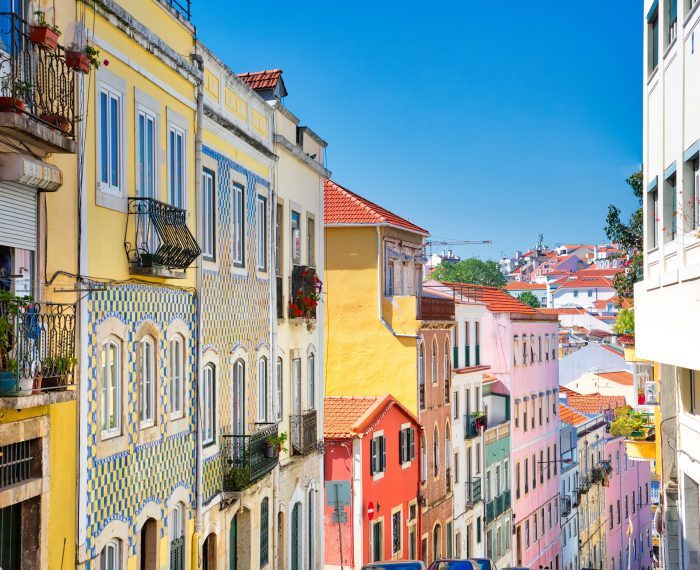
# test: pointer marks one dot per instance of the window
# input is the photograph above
(446, 366)
(695, 194)
(176, 166)
(456, 467)
(618, 511)
(539, 411)
(263, 395)
(423, 460)
(556, 461)
(421, 376)
(238, 225)
(434, 362)
(147, 388)
(532, 349)
(312, 381)
(377, 461)
(208, 404)
(390, 278)
(311, 530)
(448, 539)
(208, 215)
(111, 409)
(671, 21)
(534, 529)
(146, 146)
(436, 542)
(527, 534)
(542, 521)
(436, 453)
(694, 380)
(238, 397)
(111, 558)
(526, 478)
(278, 389)
(634, 506)
(534, 470)
(549, 463)
(407, 445)
(311, 241)
(177, 378)
(516, 350)
(524, 359)
(669, 220)
(517, 480)
(627, 510)
(264, 531)
(177, 537)
(477, 449)
(653, 218)
(261, 232)
(525, 417)
(610, 515)
(110, 144)
(296, 238)
(517, 415)
(396, 532)
(575, 293)
(455, 405)
(549, 516)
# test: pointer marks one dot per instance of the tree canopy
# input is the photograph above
(529, 298)
(473, 270)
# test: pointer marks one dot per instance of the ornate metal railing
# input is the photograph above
(246, 458)
(304, 432)
(35, 80)
(301, 283)
(181, 6)
(472, 492)
(498, 505)
(565, 503)
(37, 347)
(162, 238)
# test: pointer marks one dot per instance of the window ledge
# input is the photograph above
(670, 47)
(162, 272)
(652, 75)
(691, 14)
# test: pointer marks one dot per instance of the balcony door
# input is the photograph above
(296, 386)
(238, 412)
(296, 531)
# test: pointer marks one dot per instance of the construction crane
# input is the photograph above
(430, 243)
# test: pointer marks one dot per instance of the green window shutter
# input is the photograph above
(412, 444)
(402, 437)
(372, 456)
(383, 453)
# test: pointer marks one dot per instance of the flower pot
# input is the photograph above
(56, 120)
(78, 61)
(38, 382)
(8, 383)
(26, 386)
(53, 383)
(146, 260)
(43, 36)
(269, 452)
(11, 104)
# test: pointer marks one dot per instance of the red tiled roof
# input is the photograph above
(564, 311)
(567, 391)
(602, 303)
(613, 349)
(570, 416)
(596, 272)
(524, 286)
(341, 206)
(623, 377)
(594, 403)
(346, 416)
(267, 79)
(584, 282)
(497, 300)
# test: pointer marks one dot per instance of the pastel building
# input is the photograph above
(371, 446)
(569, 494)
(581, 292)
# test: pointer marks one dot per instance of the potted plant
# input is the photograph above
(56, 370)
(236, 478)
(480, 419)
(305, 299)
(83, 59)
(627, 423)
(42, 33)
(20, 93)
(56, 120)
(274, 444)
(9, 310)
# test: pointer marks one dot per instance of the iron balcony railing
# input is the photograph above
(37, 347)
(161, 239)
(181, 7)
(473, 425)
(35, 80)
(247, 459)
(498, 505)
(304, 432)
(279, 283)
(472, 491)
(566, 504)
(301, 286)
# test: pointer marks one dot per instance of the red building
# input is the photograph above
(372, 443)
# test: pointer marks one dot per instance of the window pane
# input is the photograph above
(104, 138)
(115, 154)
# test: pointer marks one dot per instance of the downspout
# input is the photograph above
(379, 292)
(199, 118)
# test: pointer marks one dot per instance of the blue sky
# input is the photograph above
(473, 121)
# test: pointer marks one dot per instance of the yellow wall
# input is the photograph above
(363, 358)
(234, 153)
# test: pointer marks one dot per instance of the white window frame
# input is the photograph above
(295, 244)
(311, 377)
(208, 214)
(144, 190)
(147, 382)
(111, 398)
(263, 386)
(279, 388)
(177, 376)
(209, 404)
(238, 233)
(177, 180)
(111, 93)
(261, 242)
(114, 547)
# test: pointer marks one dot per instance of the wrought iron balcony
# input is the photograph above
(37, 89)
(163, 244)
(279, 282)
(498, 505)
(37, 347)
(304, 432)
(472, 491)
(473, 425)
(181, 7)
(247, 458)
(566, 505)
(304, 293)
(436, 309)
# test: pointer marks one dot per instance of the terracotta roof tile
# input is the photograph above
(613, 349)
(596, 272)
(524, 286)
(594, 403)
(267, 79)
(497, 300)
(564, 311)
(341, 206)
(623, 377)
(570, 416)
(584, 282)
(568, 391)
(346, 416)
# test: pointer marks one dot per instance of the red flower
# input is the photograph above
(293, 306)
(298, 313)
(307, 300)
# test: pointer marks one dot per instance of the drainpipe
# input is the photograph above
(199, 117)
(379, 292)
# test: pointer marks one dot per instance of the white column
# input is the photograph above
(472, 343)
(460, 340)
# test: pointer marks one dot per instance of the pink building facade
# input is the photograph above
(627, 499)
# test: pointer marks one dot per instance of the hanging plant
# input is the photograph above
(305, 298)
(83, 60)
(42, 33)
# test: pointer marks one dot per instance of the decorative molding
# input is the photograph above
(301, 155)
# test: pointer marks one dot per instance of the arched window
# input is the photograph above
(436, 452)
(436, 542)
(423, 459)
(263, 395)
(448, 448)
(147, 380)
(448, 370)
(111, 556)
(279, 378)
(177, 377)
(238, 396)
(434, 362)
(177, 537)
(111, 404)
(312, 381)
(209, 404)
(264, 531)
(421, 376)
(312, 530)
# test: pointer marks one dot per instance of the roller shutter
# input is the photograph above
(18, 226)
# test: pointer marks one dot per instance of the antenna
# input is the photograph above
(431, 243)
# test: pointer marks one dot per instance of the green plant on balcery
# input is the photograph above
(306, 298)
(8, 317)
(627, 421)
(42, 23)
(624, 324)
(277, 441)
(478, 414)
(93, 55)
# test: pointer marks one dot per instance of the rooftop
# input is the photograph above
(571, 417)
(564, 311)
(524, 286)
(347, 417)
(496, 300)
(343, 207)
(623, 377)
(585, 282)
(267, 79)
(594, 403)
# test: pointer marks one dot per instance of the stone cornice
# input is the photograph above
(240, 133)
(301, 155)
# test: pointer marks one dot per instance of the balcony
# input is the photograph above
(448, 480)
(473, 424)
(304, 295)
(497, 432)
(247, 458)
(472, 492)
(37, 90)
(163, 244)
(566, 505)
(304, 432)
(498, 505)
(436, 309)
(182, 7)
(279, 294)
(37, 353)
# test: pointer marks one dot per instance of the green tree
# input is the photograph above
(629, 237)
(624, 324)
(529, 299)
(472, 271)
